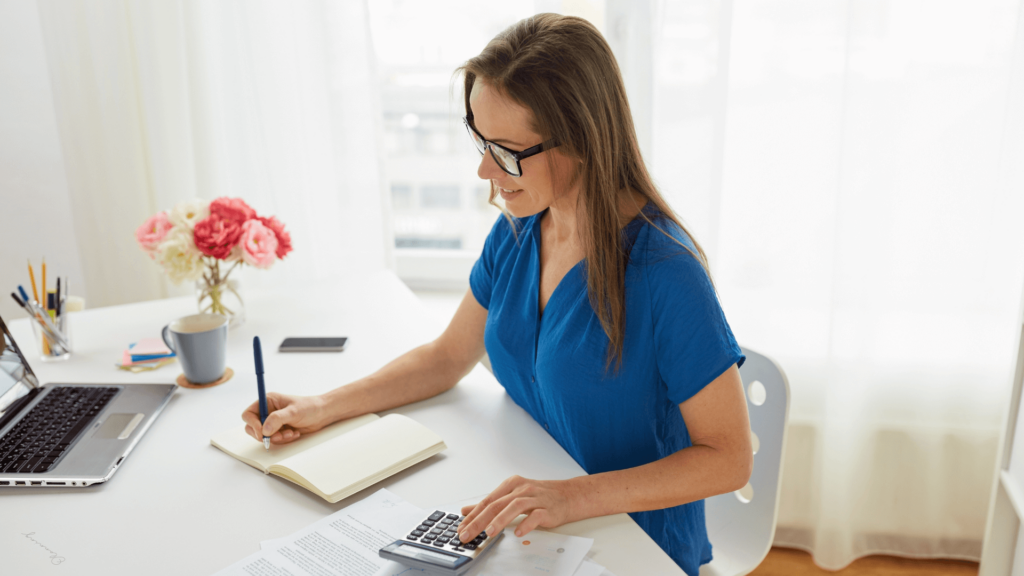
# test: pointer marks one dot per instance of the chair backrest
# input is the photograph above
(741, 524)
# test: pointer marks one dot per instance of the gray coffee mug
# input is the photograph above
(200, 341)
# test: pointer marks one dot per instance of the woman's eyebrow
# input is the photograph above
(506, 141)
(497, 140)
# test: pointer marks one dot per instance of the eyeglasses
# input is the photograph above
(508, 160)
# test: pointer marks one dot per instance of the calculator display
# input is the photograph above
(415, 552)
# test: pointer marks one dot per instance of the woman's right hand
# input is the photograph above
(288, 417)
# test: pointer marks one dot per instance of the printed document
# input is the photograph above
(347, 543)
(342, 544)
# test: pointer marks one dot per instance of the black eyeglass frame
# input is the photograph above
(517, 156)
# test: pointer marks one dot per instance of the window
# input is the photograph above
(439, 205)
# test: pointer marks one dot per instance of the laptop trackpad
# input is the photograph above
(119, 426)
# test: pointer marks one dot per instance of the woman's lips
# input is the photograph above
(507, 194)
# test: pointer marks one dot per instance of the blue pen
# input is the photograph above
(257, 352)
(24, 295)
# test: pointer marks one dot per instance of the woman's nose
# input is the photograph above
(489, 169)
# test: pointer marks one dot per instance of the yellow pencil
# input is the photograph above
(32, 275)
(44, 285)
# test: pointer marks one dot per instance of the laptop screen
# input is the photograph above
(16, 377)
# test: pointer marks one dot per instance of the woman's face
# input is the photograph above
(502, 121)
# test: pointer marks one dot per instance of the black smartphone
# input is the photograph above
(317, 344)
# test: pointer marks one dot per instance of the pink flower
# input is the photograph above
(259, 244)
(215, 236)
(284, 239)
(152, 232)
(234, 209)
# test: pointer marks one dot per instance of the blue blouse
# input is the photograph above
(553, 365)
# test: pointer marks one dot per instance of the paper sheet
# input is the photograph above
(590, 568)
(347, 542)
(343, 544)
(538, 552)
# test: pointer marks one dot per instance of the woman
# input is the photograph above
(593, 303)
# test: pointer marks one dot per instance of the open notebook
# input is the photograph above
(341, 459)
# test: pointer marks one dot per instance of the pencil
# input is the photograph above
(44, 286)
(32, 275)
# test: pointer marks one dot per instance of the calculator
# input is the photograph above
(434, 546)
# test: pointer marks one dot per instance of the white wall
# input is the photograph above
(35, 210)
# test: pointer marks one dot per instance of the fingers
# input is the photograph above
(483, 519)
(252, 424)
(513, 508)
(285, 435)
(280, 414)
(276, 419)
(473, 519)
(499, 515)
(536, 518)
(543, 503)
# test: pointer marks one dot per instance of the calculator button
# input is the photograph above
(423, 527)
(429, 522)
(442, 540)
(436, 531)
(445, 523)
(436, 516)
(453, 516)
(449, 533)
(418, 533)
(439, 544)
(469, 546)
(413, 538)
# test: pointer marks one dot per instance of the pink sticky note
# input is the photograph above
(150, 347)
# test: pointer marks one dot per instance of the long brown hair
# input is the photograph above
(563, 71)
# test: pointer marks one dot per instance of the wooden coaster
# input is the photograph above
(228, 373)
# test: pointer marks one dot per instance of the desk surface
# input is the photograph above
(180, 506)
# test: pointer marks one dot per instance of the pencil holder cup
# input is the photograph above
(53, 339)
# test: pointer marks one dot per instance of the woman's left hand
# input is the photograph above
(547, 503)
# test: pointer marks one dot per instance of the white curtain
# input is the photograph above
(856, 171)
(162, 102)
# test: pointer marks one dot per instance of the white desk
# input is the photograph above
(179, 506)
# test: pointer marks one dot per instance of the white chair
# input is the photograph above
(741, 524)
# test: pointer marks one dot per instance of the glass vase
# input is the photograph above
(218, 294)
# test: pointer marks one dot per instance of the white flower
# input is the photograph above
(186, 214)
(179, 257)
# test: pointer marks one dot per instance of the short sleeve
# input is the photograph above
(694, 344)
(481, 277)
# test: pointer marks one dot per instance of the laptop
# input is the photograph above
(68, 434)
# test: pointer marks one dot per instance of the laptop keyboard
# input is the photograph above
(35, 443)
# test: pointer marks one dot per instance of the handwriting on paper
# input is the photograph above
(55, 559)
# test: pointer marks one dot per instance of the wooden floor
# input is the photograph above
(789, 562)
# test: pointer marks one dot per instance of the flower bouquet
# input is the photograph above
(204, 242)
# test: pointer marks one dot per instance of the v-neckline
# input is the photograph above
(536, 252)
(538, 315)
